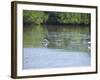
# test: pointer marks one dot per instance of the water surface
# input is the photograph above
(57, 46)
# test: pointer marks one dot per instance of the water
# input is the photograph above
(56, 46)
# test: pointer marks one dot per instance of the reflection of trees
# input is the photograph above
(77, 42)
(67, 38)
(34, 36)
(75, 39)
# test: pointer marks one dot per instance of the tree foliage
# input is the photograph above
(36, 17)
(42, 17)
(74, 18)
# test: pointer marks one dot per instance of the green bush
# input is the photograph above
(42, 17)
(36, 17)
(73, 18)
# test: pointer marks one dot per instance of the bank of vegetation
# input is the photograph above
(44, 17)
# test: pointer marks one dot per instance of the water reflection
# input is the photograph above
(72, 38)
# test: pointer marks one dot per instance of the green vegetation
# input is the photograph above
(34, 16)
(44, 17)
(74, 18)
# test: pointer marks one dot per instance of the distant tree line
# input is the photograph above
(44, 17)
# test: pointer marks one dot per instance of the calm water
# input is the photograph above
(56, 46)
